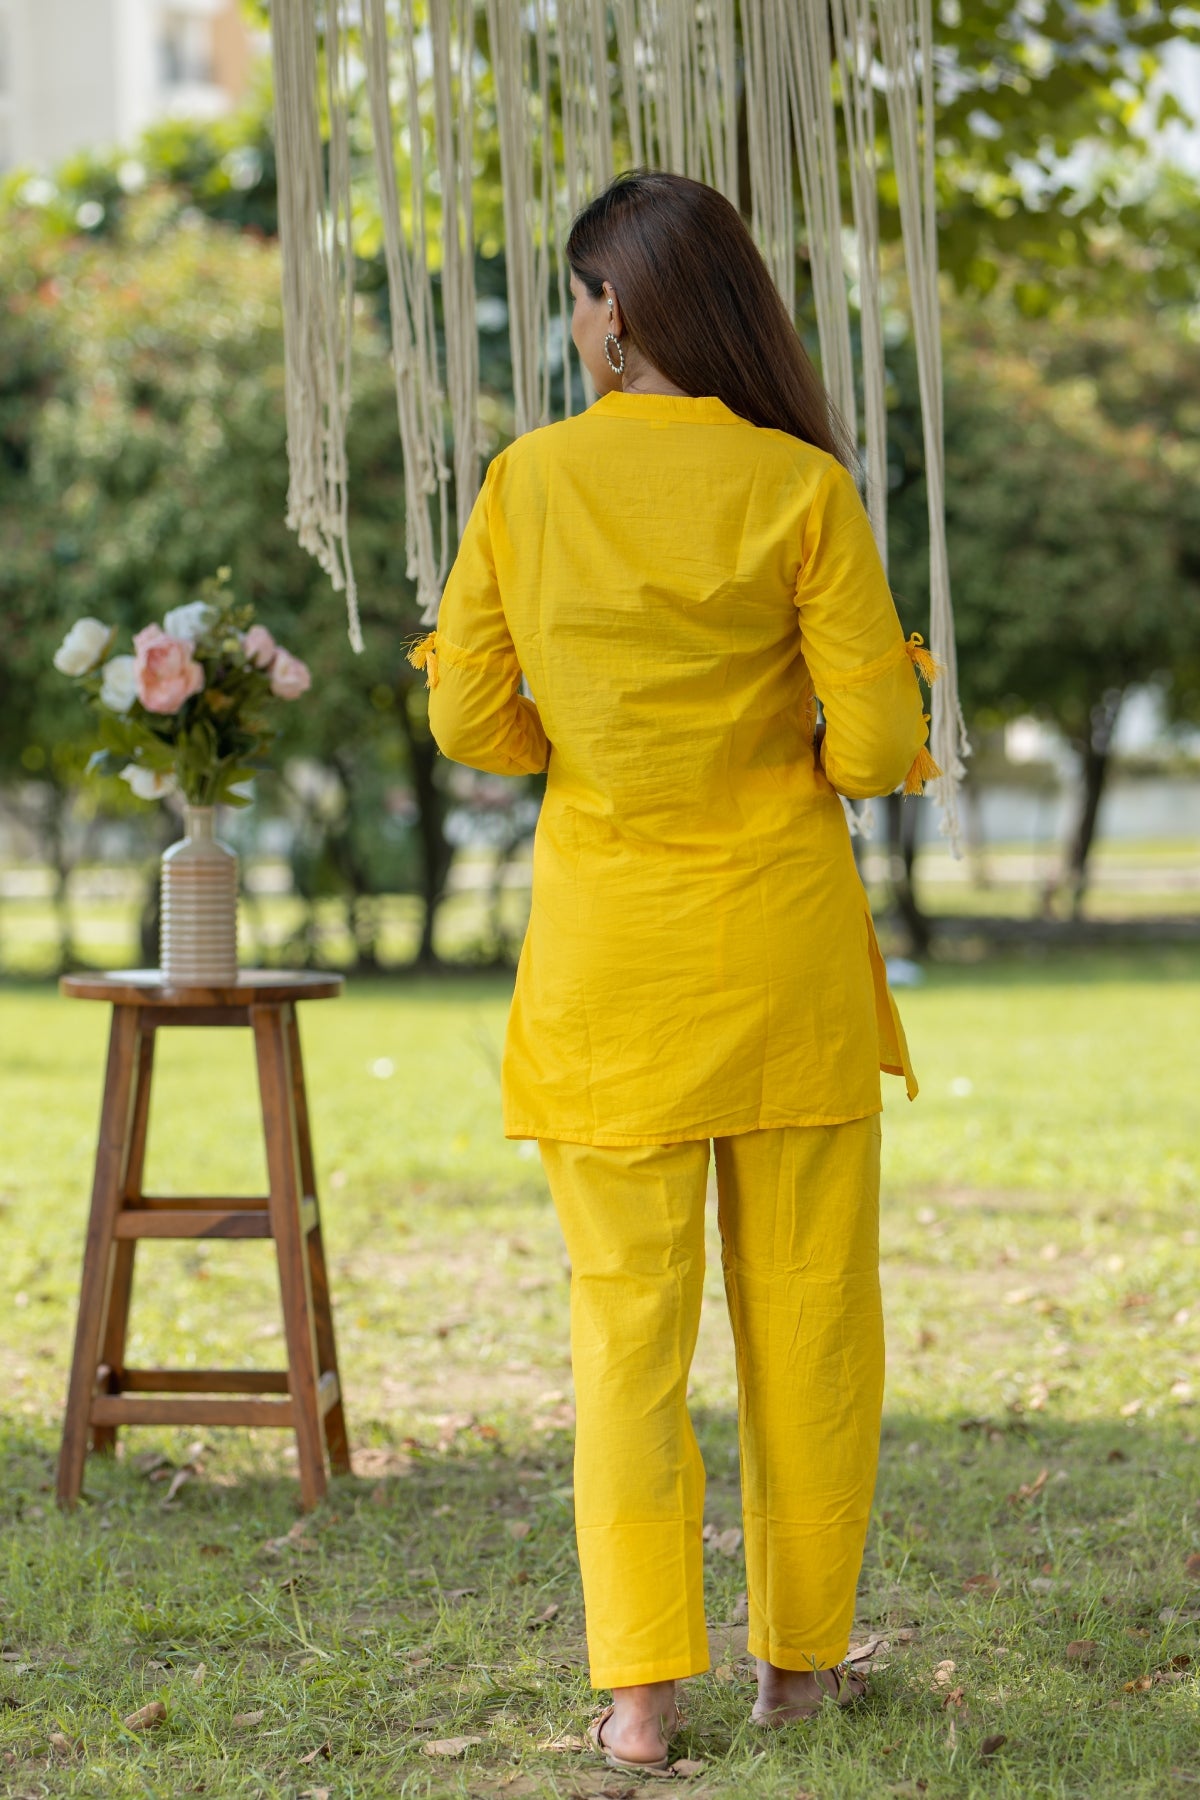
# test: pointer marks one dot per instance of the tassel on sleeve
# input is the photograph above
(423, 655)
(924, 661)
(923, 769)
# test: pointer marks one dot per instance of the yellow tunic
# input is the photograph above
(673, 581)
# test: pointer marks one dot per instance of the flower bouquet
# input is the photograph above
(188, 713)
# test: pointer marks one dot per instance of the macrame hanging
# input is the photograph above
(579, 88)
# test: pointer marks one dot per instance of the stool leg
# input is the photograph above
(116, 1320)
(335, 1419)
(279, 1128)
(107, 1186)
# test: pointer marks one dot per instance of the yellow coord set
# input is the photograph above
(700, 976)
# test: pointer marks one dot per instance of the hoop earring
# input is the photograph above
(618, 368)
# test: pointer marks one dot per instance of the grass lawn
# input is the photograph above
(1034, 1560)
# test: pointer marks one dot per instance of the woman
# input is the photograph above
(675, 571)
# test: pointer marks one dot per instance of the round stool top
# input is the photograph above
(146, 987)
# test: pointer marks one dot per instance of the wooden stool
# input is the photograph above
(103, 1392)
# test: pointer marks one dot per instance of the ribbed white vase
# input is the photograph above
(198, 909)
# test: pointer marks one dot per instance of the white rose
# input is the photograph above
(188, 622)
(118, 683)
(83, 646)
(148, 784)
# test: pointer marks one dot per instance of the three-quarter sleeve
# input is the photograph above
(863, 669)
(477, 713)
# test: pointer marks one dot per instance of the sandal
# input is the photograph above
(660, 1768)
(843, 1674)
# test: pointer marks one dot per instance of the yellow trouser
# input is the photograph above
(799, 1218)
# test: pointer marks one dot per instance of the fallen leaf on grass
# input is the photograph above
(956, 1697)
(315, 1794)
(990, 1745)
(153, 1713)
(1142, 1685)
(456, 1746)
(1115, 1456)
(723, 1672)
(242, 1720)
(741, 1610)
(981, 1584)
(544, 1618)
(1130, 1409)
(324, 1749)
(1182, 1661)
(518, 1529)
(1082, 1650)
(295, 1539)
(177, 1481)
(1191, 1565)
(1029, 1490)
(686, 1767)
(198, 1674)
(214, 1549)
(561, 1745)
(64, 1745)
(943, 1673)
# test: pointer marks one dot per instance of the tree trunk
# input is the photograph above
(1097, 755)
(435, 851)
(902, 846)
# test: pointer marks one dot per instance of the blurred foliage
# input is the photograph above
(142, 443)
(1072, 512)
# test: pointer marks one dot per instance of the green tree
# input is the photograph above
(142, 445)
(1072, 484)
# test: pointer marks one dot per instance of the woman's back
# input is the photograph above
(671, 580)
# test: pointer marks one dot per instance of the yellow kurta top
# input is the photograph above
(674, 582)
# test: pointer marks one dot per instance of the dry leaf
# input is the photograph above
(153, 1713)
(1115, 1456)
(560, 1745)
(198, 1675)
(723, 1672)
(956, 1697)
(1082, 1650)
(543, 1619)
(1142, 1685)
(214, 1549)
(990, 1745)
(321, 1750)
(741, 1610)
(943, 1673)
(1029, 1490)
(177, 1481)
(1130, 1409)
(725, 1543)
(64, 1745)
(980, 1584)
(518, 1528)
(1182, 1661)
(315, 1794)
(242, 1720)
(455, 1746)
(1191, 1565)
(685, 1766)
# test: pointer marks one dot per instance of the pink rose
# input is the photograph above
(289, 676)
(167, 672)
(259, 646)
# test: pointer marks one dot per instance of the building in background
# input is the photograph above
(92, 74)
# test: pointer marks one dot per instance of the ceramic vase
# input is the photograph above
(198, 908)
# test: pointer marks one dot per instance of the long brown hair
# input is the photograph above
(699, 303)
